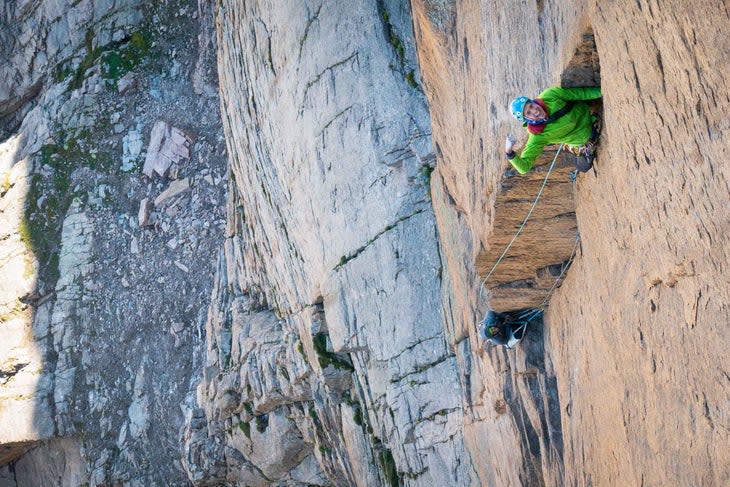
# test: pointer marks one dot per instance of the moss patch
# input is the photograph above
(262, 422)
(327, 358)
(388, 463)
(396, 43)
(357, 416)
(246, 428)
(50, 194)
(118, 62)
(117, 58)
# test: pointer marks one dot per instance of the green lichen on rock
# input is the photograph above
(125, 58)
(246, 428)
(389, 470)
(327, 358)
(50, 194)
(262, 422)
(357, 416)
(116, 58)
(92, 54)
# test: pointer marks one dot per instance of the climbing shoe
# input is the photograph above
(583, 163)
(584, 159)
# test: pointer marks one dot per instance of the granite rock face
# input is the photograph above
(294, 300)
(331, 229)
(631, 337)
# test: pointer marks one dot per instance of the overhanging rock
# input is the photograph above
(528, 271)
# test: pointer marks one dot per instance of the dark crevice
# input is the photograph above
(347, 258)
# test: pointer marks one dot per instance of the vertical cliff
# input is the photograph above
(633, 333)
(650, 294)
(246, 243)
(331, 235)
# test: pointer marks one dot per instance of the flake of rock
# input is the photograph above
(176, 187)
(168, 145)
(145, 210)
(181, 266)
(209, 180)
(126, 82)
(125, 282)
(134, 246)
(172, 243)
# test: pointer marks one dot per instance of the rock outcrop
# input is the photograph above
(46, 41)
(100, 316)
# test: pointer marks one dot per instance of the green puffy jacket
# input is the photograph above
(574, 128)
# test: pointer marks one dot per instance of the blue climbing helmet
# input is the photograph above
(517, 107)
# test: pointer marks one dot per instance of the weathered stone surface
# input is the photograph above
(534, 235)
(58, 459)
(104, 366)
(168, 145)
(43, 38)
(25, 414)
(175, 188)
(361, 293)
(336, 344)
(143, 215)
(615, 345)
(131, 148)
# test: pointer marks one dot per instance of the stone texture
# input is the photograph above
(168, 145)
(330, 339)
(58, 459)
(617, 341)
(90, 354)
(144, 215)
(361, 293)
(521, 272)
(175, 188)
(25, 415)
(40, 38)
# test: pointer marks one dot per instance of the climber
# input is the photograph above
(503, 329)
(556, 116)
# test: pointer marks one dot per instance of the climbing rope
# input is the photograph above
(524, 222)
(567, 264)
(565, 267)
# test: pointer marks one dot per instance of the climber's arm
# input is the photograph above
(524, 162)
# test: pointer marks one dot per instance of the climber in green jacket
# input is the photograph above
(556, 116)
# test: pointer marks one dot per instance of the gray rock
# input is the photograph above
(131, 149)
(168, 145)
(175, 188)
(145, 210)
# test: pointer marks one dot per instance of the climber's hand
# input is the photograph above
(509, 143)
